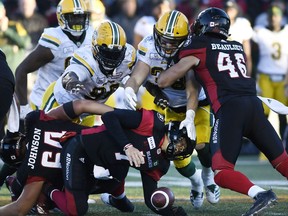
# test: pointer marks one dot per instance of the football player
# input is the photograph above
(219, 66)
(54, 49)
(272, 66)
(121, 144)
(94, 73)
(156, 53)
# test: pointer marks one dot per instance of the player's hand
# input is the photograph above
(134, 155)
(130, 99)
(188, 122)
(75, 87)
(161, 100)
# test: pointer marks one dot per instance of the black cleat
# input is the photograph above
(263, 200)
(124, 204)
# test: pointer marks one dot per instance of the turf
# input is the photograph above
(231, 203)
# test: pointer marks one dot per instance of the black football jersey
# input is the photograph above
(103, 150)
(222, 68)
(44, 149)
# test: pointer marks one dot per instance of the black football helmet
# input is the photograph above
(180, 145)
(212, 21)
(13, 149)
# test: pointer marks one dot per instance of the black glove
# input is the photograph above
(178, 211)
(71, 83)
(160, 98)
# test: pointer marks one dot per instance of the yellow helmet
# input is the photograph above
(109, 46)
(73, 16)
(170, 32)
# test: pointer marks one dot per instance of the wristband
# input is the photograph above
(69, 110)
(127, 146)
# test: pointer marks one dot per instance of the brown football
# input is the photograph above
(162, 198)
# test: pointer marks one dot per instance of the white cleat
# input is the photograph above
(212, 193)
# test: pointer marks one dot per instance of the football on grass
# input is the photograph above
(162, 198)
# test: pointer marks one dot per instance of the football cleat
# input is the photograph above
(197, 199)
(212, 193)
(263, 200)
(9, 181)
(124, 204)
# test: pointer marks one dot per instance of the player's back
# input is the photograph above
(222, 68)
(44, 148)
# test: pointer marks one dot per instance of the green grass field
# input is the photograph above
(231, 203)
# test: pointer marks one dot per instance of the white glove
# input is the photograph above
(130, 99)
(188, 122)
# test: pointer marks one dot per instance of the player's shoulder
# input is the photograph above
(83, 53)
(147, 43)
(130, 56)
(53, 35)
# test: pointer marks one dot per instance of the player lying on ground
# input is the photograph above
(114, 152)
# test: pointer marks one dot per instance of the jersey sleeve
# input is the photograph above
(144, 51)
(50, 39)
(130, 56)
(80, 63)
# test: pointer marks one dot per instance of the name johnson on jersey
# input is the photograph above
(34, 148)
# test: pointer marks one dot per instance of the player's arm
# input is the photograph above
(138, 76)
(192, 103)
(36, 59)
(169, 76)
(25, 202)
(75, 108)
(116, 122)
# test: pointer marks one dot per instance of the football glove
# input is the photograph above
(160, 98)
(188, 122)
(130, 99)
(72, 84)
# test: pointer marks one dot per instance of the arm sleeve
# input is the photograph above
(118, 120)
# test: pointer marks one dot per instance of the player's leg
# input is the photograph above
(226, 145)
(49, 100)
(203, 123)
(186, 167)
(76, 175)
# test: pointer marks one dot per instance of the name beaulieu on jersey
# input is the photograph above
(226, 47)
(34, 148)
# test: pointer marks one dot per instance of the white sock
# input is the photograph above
(254, 190)
(207, 176)
(196, 181)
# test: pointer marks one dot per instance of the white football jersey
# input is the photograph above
(240, 30)
(88, 71)
(273, 50)
(62, 48)
(144, 26)
(147, 53)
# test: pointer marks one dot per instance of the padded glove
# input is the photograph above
(130, 99)
(188, 122)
